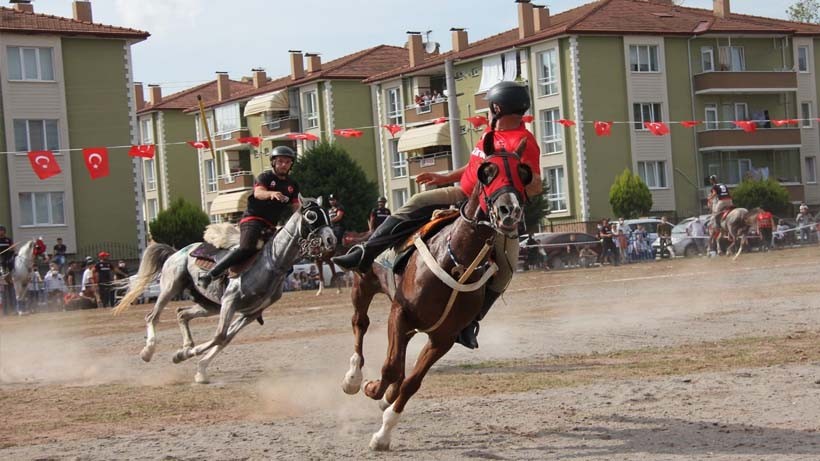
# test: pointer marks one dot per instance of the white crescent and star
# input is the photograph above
(93, 156)
(44, 165)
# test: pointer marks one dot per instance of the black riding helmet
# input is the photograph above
(283, 151)
(510, 97)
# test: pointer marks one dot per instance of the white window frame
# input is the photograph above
(548, 72)
(653, 109)
(741, 55)
(37, 63)
(653, 173)
(806, 115)
(741, 111)
(227, 120)
(210, 175)
(400, 197)
(804, 50)
(398, 160)
(150, 172)
(810, 164)
(557, 196)
(710, 52)
(636, 58)
(311, 104)
(152, 209)
(146, 131)
(45, 125)
(393, 109)
(552, 133)
(713, 124)
(49, 220)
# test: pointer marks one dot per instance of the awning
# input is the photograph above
(276, 101)
(230, 203)
(425, 136)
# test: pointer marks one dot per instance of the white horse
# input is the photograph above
(246, 296)
(20, 274)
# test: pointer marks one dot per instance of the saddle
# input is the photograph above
(206, 255)
(396, 258)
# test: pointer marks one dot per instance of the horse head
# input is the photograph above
(315, 227)
(503, 178)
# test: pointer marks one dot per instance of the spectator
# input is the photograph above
(607, 242)
(804, 221)
(34, 294)
(697, 231)
(642, 243)
(88, 289)
(587, 257)
(665, 236)
(73, 276)
(337, 216)
(781, 234)
(378, 214)
(623, 245)
(104, 275)
(54, 285)
(39, 249)
(765, 225)
(59, 253)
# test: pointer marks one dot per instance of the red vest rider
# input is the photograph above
(273, 193)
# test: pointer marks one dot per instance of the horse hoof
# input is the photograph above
(180, 356)
(147, 353)
(384, 404)
(201, 378)
(377, 444)
(351, 384)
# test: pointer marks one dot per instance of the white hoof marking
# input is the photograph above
(384, 404)
(353, 377)
(381, 440)
(201, 378)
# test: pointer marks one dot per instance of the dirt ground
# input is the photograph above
(704, 359)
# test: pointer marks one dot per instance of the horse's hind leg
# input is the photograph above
(393, 366)
(318, 264)
(201, 376)
(362, 295)
(167, 292)
(429, 355)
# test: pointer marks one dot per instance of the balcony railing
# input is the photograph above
(745, 82)
(439, 161)
(228, 138)
(426, 112)
(770, 137)
(240, 180)
(280, 126)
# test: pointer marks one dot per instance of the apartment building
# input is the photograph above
(65, 85)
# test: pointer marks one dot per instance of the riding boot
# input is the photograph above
(231, 259)
(360, 257)
(469, 335)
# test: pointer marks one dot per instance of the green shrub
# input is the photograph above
(180, 225)
(769, 195)
(629, 196)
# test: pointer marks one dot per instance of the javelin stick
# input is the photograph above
(207, 132)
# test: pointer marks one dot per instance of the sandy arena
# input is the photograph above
(674, 360)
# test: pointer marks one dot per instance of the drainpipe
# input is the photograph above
(694, 132)
(453, 114)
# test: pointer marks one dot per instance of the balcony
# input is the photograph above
(280, 127)
(745, 82)
(768, 138)
(430, 163)
(240, 180)
(425, 112)
(228, 138)
(480, 102)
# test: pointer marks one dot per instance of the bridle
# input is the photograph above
(316, 217)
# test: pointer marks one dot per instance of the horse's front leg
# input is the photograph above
(201, 376)
(362, 295)
(392, 370)
(226, 314)
(184, 317)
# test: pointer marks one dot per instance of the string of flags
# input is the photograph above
(45, 165)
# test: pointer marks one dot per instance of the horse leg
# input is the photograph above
(333, 279)
(392, 393)
(362, 295)
(184, 316)
(167, 292)
(396, 351)
(430, 354)
(740, 247)
(318, 264)
(201, 376)
(226, 314)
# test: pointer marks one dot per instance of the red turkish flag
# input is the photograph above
(527, 118)
(690, 123)
(784, 122)
(603, 128)
(348, 133)
(199, 144)
(393, 129)
(657, 128)
(44, 164)
(143, 150)
(303, 136)
(749, 127)
(477, 121)
(254, 141)
(566, 123)
(96, 160)
(440, 120)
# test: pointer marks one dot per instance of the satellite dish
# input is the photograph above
(431, 47)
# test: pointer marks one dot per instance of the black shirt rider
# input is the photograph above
(721, 191)
(271, 210)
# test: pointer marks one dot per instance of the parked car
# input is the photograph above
(650, 224)
(682, 244)
(150, 293)
(562, 249)
(306, 265)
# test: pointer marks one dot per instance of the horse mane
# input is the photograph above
(222, 235)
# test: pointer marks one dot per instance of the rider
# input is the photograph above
(719, 198)
(337, 216)
(508, 101)
(378, 214)
(273, 192)
(6, 251)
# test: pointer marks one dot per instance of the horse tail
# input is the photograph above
(152, 261)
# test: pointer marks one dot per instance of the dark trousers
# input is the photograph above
(9, 300)
(106, 294)
(766, 235)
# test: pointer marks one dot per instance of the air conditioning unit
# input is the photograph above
(459, 75)
(475, 72)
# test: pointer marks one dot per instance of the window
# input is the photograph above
(741, 111)
(552, 139)
(209, 119)
(643, 58)
(150, 174)
(557, 194)
(153, 209)
(394, 107)
(803, 58)
(30, 63)
(548, 73)
(146, 131)
(32, 135)
(311, 110)
(712, 122)
(653, 174)
(707, 59)
(227, 120)
(399, 198)
(646, 112)
(210, 176)
(42, 209)
(397, 159)
(805, 114)
(732, 58)
(811, 170)
(497, 68)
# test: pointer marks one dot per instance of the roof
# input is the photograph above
(639, 17)
(12, 20)
(187, 99)
(356, 66)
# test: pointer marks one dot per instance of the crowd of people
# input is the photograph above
(428, 97)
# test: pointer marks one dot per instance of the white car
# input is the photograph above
(150, 293)
(650, 224)
(306, 265)
(682, 244)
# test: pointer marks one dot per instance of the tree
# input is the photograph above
(180, 225)
(328, 169)
(629, 196)
(805, 11)
(537, 208)
(769, 195)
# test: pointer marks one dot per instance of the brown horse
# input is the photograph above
(349, 239)
(426, 298)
